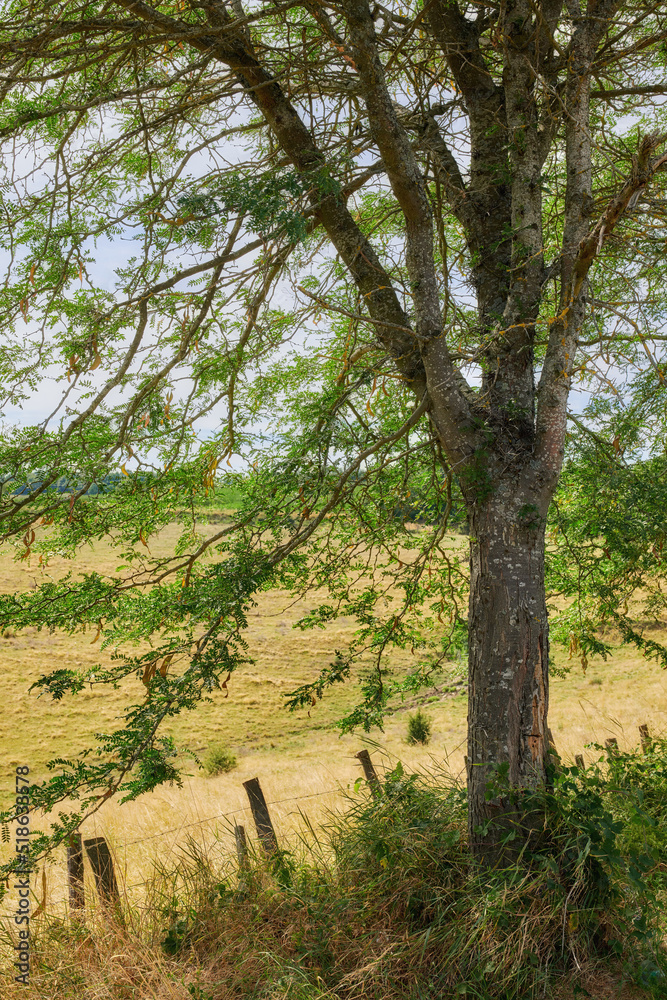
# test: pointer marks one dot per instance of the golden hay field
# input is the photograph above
(303, 763)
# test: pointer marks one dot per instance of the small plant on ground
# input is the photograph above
(219, 760)
(419, 728)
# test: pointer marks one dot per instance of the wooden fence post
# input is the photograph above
(364, 759)
(611, 745)
(553, 753)
(579, 761)
(101, 862)
(260, 814)
(645, 737)
(77, 898)
(241, 845)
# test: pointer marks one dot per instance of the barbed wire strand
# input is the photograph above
(232, 812)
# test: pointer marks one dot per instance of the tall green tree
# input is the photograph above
(373, 247)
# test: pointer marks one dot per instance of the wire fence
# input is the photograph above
(100, 857)
(226, 815)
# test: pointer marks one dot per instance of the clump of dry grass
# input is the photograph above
(105, 959)
(385, 903)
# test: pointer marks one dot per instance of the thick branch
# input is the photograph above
(556, 375)
(459, 40)
(402, 169)
(613, 92)
(511, 383)
(446, 384)
(297, 142)
(489, 214)
(431, 139)
(644, 168)
(563, 339)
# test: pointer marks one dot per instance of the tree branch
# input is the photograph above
(236, 51)
(489, 215)
(447, 386)
(609, 95)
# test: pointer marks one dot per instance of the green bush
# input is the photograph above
(636, 784)
(219, 760)
(419, 728)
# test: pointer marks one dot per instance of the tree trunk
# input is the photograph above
(508, 673)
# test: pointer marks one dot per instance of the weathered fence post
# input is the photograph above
(579, 761)
(611, 745)
(241, 845)
(260, 814)
(364, 759)
(553, 753)
(77, 898)
(645, 737)
(101, 862)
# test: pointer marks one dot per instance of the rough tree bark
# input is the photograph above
(508, 685)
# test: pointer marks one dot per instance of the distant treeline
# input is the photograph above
(224, 496)
(64, 484)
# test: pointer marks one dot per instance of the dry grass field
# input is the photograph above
(303, 763)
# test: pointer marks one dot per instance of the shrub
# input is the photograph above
(219, 760)
(419, 728)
